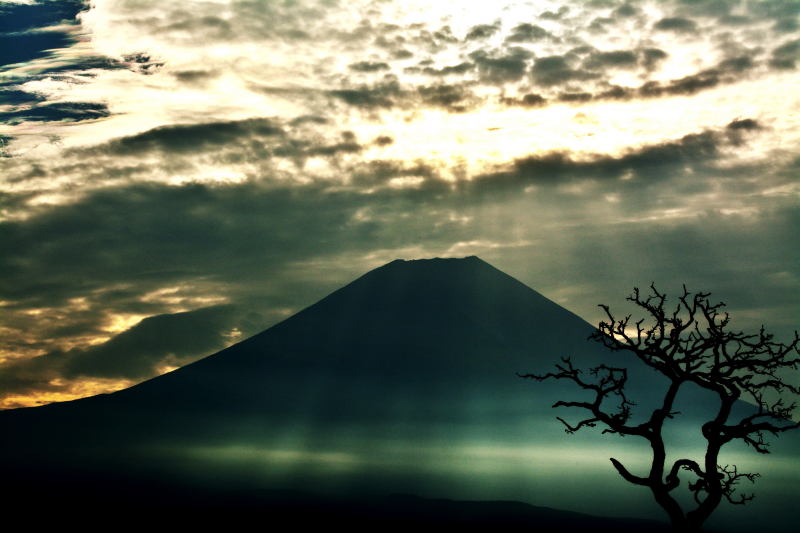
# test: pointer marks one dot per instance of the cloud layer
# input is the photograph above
(175, 178)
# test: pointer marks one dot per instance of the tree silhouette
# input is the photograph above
(689, 344)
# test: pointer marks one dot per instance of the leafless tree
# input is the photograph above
(689, 344)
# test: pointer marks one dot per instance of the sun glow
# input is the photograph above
(67, 391)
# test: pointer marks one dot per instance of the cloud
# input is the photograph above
(555, 70)
(527, 100)
(525, 32)
(4, 140)
(69, 111)
(625, 10)
(651, 163)
(785, 56)
(786, 25)
(612, 59)
(747, 124)
(148, 348)
(191, 137)
(511, 66)
(369, 97)
(369, 66)
(451, 70)
(16, 97)
(574, 97)
(173, 339)
(676, 24)
(451, 97)
(224, 241)
(482, 31)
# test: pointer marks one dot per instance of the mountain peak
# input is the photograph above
(437, 260)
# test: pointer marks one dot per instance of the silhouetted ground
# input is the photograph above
(95, 505)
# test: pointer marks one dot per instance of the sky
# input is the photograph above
(175, 177)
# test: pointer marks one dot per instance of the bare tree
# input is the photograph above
(689, 344)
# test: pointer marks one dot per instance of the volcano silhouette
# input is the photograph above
(404, 380)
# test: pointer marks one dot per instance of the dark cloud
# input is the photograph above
(348, 146)
(525, 33)
(654, 162)
(402, 53)
(432, 42)
(4, 140)
(727, 71)
(739, 128)
(786, 55)
(142, 63)
(744, 124)
(555, 70)
(625, 10)
(66, 111)
(554, 15)
(185, 138)
(243, 239)
(737, 64)
(450, 70)
(16, 97)
(611, 59)
(776, 9)
(482, 31)
(786, 25)
(369, 97)
(503, 68)
(194, 77)
(615, 92)
(575, 97)
(676, 24)
(528, 100)
(173, 338)
(686, 85)
(137, 353)
(451, 97)
(598, 25)
(80, 66)
(308, 119)
(735, 20)
(369, 66)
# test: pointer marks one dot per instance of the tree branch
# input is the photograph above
(608, 382)
(672, 480)
(636, 480)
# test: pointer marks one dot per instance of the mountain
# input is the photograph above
(404, 380)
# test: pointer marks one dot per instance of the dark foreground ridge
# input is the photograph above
(129, 506)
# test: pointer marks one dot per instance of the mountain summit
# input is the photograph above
(409, 328)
